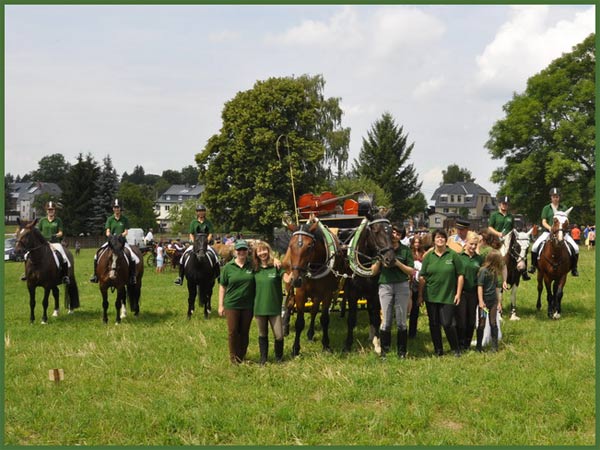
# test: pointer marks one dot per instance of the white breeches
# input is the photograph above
(544, 236)
(59, 247)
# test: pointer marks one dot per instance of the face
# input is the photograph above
(503, 206)
(395, 235)
(462, 232)
(262, 253)
(242, 253)
(116, 210)
(201, 214)
(555, 198)
(50, 212)
(417, 243)
(471, 246)
(440, 240)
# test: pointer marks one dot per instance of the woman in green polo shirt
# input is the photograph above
(268, 277)
(466, 310)
(236, 300)
(442, 275)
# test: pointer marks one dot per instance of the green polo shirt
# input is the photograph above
(117, 226)
(548, 213)
(239, 284)
(471, 265)
(201, 227)
(269, 292)
(441, 274)
(49, 229)
(390, 275)
(502, 223)
(485, 278)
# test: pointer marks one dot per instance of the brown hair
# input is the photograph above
(494, 262)
(256, 260)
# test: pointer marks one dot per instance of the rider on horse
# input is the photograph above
(117, 224)
(51, 228)
(547, 219)
(199, 225)
(501, 224)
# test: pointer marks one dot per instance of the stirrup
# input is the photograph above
(178, 281)
(66, 280)
(574, 272)
(23, 277)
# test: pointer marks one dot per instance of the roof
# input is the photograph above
(186, 191)
(460, 188)
(31, 189)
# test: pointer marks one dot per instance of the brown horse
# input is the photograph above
(554, 263)
(315, 260)
(113, 272)
(42, 270)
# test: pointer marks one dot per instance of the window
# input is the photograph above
(167, 208)
(445, 210)
(168, 198)
(452, 199)
(437, 220)
(443, 198)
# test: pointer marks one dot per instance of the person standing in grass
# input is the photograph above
(236, 301)
(489, 299)
(418, 252)
(443, 277)
(394, 294)
(268, 276)
(160, 257)
(466, 310)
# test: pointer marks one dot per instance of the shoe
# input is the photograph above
(531, 269)
(575, 272)
(525, 276)
(178, 281)
(94, 279)
(132, 280)
(23, 277)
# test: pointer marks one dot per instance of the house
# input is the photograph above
(173, 197)
(461, 199)
(22, 197)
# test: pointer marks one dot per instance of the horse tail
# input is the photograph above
(72, 295)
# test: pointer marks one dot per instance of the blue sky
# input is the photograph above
(146, 84)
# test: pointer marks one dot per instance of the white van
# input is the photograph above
(135, 236)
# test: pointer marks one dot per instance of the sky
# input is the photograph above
(146, 84)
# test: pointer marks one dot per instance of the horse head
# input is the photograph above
(300, 251)
(200, 245)
(379, 240)
(28, 236)
(560, 224)
(117, 244)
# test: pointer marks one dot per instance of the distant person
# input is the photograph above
(458, 241)
(576, 234)
(149, 238)
(160, 257)
(466, 310)
(418, 253)
(77, 248)
(592, 237)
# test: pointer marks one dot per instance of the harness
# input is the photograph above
(354, 254)
(330, 252)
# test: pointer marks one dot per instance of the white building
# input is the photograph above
(174, 197)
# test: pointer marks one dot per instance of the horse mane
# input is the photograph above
(31, 226)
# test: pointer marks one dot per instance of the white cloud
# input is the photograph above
(527, 43)
(428, 87)
(223, 36)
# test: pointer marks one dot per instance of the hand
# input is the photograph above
(420, 300)
(481, 305)
(456, 299)
(505, 285)
(277, 263)
(500, 308)
(221, 311)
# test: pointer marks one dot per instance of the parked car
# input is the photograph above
(9, 250)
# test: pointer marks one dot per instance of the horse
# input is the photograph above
(113, 272)
(516, 263)
(371, 240)
(200, 275)
(315, 261)
(43, 270)
(554, 263)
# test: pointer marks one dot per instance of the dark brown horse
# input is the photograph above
(315, 261)
(113, 273)
(200, 275)
(371, 240)
(554, 263)
(42, 270)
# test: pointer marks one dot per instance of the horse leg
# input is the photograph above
(352, 307)
(120, 305)
(191, 298)
(104, 305)
(549, 296)
(310, 334)
(56, 296)
(299, 328)
(513, 302)
(325, 326)
(31, 303)
(45, 306)
(374, 310)
(540, 288)
(286, 321)
(559, 296)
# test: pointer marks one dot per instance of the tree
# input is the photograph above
(78, 193)
(172, 176)
(383, 158)
(280, 125)
(107, 185)
(547, 137)
(138, 176)
(189, 175)
(137, 205)
(454, 174)
(180, 216)
(52, 169)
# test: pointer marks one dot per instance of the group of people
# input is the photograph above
(459, 279)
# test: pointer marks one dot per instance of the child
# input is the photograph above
(488, 294)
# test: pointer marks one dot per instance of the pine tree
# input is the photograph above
(78, 193)
(106, 189)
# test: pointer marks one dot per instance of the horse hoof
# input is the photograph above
(556, 316)
(55, 313)
(377, 345)
(44, 322)
(513, 316)
(70, 311)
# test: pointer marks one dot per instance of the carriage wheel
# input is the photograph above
(151, 260)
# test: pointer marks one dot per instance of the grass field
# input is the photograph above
(159, 379)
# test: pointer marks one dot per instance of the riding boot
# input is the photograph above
(179, 279)
(494, 334)
(263, 346)
(94, 278)
(402, 339)
(386, 341)
(574, 261)
(132, 273)
(479, 347)
(65, 271)
(525, 275)
(279, 350)
(534, 258)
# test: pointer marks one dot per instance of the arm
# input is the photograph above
(499, 296)
(421, 288)
(494, 232)
(376, 267)
(480, 297)
(459, 287)
(546, 225)
(221, 300)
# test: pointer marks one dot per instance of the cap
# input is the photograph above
(116, 203)
(462, 223)
(200, 207)
(555, 191)
(241, 243)
(504, 199)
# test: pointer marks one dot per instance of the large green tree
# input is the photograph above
(137, 205)
(52, 169)
(280, 126)
(78, 193)
(547, 137)
(454, 174)
(107, 186)
(384, 158)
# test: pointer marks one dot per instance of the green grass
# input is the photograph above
(159, 379)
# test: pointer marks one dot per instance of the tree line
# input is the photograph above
(283, 136)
